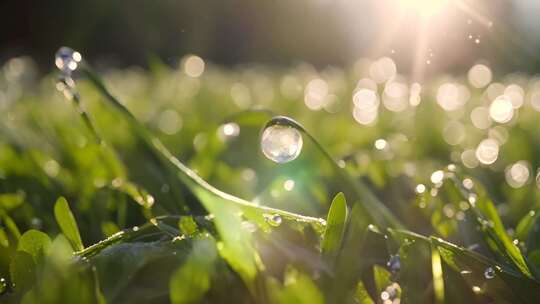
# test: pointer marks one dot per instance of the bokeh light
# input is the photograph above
(501, 109)
(487, 151)
(517, 174)
(193, 66)
(479, 76)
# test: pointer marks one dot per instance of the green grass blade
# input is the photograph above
(68, 225)
(335, 226)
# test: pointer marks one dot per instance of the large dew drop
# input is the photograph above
(489, 273)
(281, 141)
(67, 60)
(394, 263)
(273, 220)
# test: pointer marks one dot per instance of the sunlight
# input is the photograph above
(424, 8)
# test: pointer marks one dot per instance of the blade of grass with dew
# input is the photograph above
(227, 208)
(379, 213)
(492, 228)
(501, 282)
(416, 262)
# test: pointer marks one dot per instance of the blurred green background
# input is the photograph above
(321, 32)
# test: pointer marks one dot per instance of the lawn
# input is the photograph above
(200, 183)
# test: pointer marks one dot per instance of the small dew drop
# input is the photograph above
(273, 220)
(3, 285)
(391, 294)
(281, 142)
(394, 263)
(67, 60)
(489, 273)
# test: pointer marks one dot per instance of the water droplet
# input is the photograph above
(3, 285)
(391, 294)
(273, 219)
(281, 141)
(67, 60)
(489, 273)
(394, 263)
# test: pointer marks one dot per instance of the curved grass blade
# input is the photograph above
(503, 283)
(379, 213)
(489, 223)
(419, 274)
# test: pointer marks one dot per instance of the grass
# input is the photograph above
(131, 191)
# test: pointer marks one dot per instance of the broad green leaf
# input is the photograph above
(4, 241)
(335, 226)
(23, 271)
(382, 278)
(68, 225)
(10, 225)
(35, 243)
(192, 280)
(10, 201)
(361, 296)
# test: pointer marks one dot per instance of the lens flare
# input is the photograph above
(424, 8)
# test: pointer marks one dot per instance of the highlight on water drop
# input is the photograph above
(273, 220)
(67, 60)
(281, 141)
(489, 273)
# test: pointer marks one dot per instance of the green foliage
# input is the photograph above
(204, 217)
